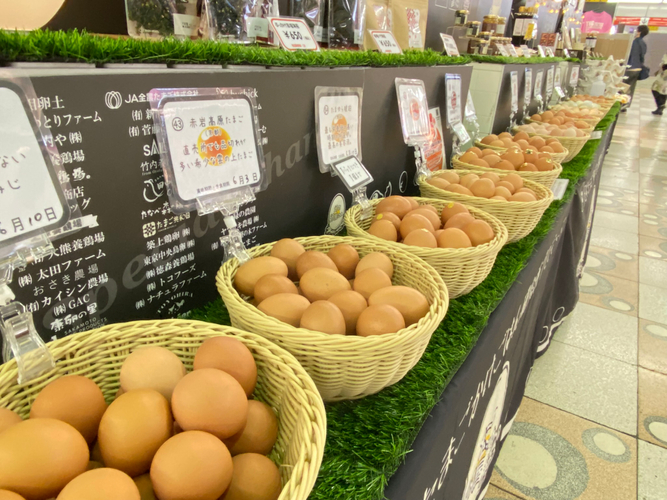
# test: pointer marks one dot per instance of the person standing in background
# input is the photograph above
(659, 87)
(637, 70)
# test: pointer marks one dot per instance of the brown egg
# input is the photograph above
(369, 280)
(459, 220)
(527, 167)
(514, 157)
(271, 284)
(488, 152)
(438, 233)
(376, 259)
(499, 198)
(255, 477)
(536, 118)
(557, 147)
(504, 135)
(526, 190)
(479, 162)
(430, 213)
(453, 237)
(152, 367)
(489, 139)
(537, 142)
(544, 164)
(475, 150)
(393, 218)
(395, 204)
(414, 204)
(231, 356)
(250, 272)
(484, 188)
(312, 259)
(515, 179)
(101, 484)
(467, 156)
(522, 143)
(421, 238)
(504, 165)
(384, 229)
(210, 400)
(321, 283)
(507, 143)
(491, 160)
(503, 192)
(145, 487)
(507, 185)
(530, 156)
(40, 456)
(351, 304)
(10, 495)
(479, 232)
(431, 208)
(458, 189)
(260, 432)
(192, 465)
(411, 303)
(438, 182)
(450, 176)
(521, 136)
(285, 307)
(132, 429)
(346, 259)
(495, 178)
(546, 149)
(379, 320)
(8, 418)
(468, 179)
(452, 208)
(522, 197)
(544, 155)
(288, 250)
(323, 316)
(547, 115)
(552, 140)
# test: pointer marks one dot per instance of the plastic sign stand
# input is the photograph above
(355, 177)
(514, 88)
(449, 44)
(291, 34)
(550, 84)
(527, 92)
(453, 117)
(415, 121)
(503, 50)
(511, 49)
(537, 93)
(470, 118)
(574, 78)
(541, 51)
(385, 41)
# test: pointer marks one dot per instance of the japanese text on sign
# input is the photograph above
(385, 41)
(514, 87)
(413, 108)
(338, 127)
(527, 89)
(550, 81)
(453, 96)
(293, 34)
(450, 45)
(353, 174)
(538, 84)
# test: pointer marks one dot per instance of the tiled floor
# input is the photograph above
(593, 423)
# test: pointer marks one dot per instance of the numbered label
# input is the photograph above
(453, 95)
(385, 42)
(450, 45)
(292, 34)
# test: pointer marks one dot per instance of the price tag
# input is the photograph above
(566, 53)
(512, 50)
(550, 82)
(31, 199)
(461, 133)
(503, 50)
(450, 45)
(550, 52)
(413, 108)
(558, 188)
(539, 76)
(541, 51)
(385, 41)
(525, 50)
(453, 97)
(353, 174)
(470, 107)
(292, 34)
(337, 116)
(527, 90)
(574, 76)
(596, 134)
(514, 86)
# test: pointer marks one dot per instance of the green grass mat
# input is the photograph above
(368, 439)
(76, 46)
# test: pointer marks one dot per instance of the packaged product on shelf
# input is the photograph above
(224, 19)
(377, 17)
(409, 22)
(162, 18)
(311, 11)
(346, 23)
(256, 19)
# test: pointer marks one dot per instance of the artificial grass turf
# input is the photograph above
(76, 46)
(367, 439)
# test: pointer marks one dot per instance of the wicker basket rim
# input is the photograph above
(559, 137)
(497, 148)
(493, 170)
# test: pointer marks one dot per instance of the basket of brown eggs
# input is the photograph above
(169, 409)
(561, 119)
(528, 163)
(461, 243)
(356, 313)
(568, 134)
(523, 141)
(517, 202)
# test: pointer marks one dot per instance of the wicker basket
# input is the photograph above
(462, 269)
(572, 144)
(588, 129)
(281, 383)
(556, 157)
(347, 366)
(520, 218)
(545, 178)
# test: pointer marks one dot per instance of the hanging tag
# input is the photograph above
(433, 152)
(503, 50)
(355, 177)
(550, 84)
(511, 49)
(541, 51)
(527, 91)
(514, 87)
(461, 133)
(338, 124)
(413, 109)
(574, 77)
(470, 118)
(453, 110)
(450, 46)
(537, 93)
(291, 34)
(385, 41)
(557, 86)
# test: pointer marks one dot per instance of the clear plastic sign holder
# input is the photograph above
(470, 118)
(355, 177)
(549, 88)
(514, 107)
(413, 110)
(34, 211)
(527, 93)
(557, 85)
(211, 153)
(453, 117)
(574, 79)
(537, 94)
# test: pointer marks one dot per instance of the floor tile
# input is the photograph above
(653, 303)
(587, 384)
(653, 272)
(610, 262)
(653, 220)
(615, 177)
(628, 195)
(607, 204)
(652, 166)
(651, 477)
(550, 454)
(609, 292)
(615, 240)
(601, 331)
(620, 222)
(652, 412)
(652, 346)
(494, 493)
(655, 248)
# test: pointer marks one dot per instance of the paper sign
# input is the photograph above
(470, 107)
(566, 53)
(527, 90)
(453, 98)
(514, 87)
(574, 76)
(31, 200)
(434, 149)
(511, 49)
(596, 134)
(450, 45)
(185, 25)
(541, 51)
(353, 174)
(550, 52)
(539, 76)
(413, 108)
(558, 188)
(503, 50)
(525, 50)
(292, 34)
(212, 145)
(258, 27)
(385, 41)
(550, 82)
(338, 127)
(461, 132)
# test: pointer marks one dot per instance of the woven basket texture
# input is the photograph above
(557, 157)
(572, 144)
(545, 178)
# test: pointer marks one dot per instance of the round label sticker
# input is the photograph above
(336, 217)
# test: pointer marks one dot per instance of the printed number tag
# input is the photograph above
(353, 174)
(292, 34)
(450, 45)
(385, 42)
